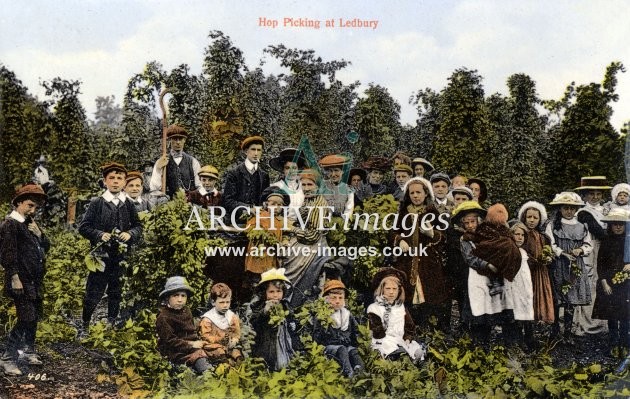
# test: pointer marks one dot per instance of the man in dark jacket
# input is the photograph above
(110, 223)
(22, 248)
(244, 184)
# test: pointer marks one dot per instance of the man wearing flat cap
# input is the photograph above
(337, 192)
(244, 184)
(182, 169)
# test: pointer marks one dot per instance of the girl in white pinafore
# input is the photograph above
(390, 323)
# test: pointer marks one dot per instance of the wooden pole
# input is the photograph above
(164, 129)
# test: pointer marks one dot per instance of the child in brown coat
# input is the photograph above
(177, 336)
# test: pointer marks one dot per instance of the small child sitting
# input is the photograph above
(391, 324)
(177, 335)
(339, 338)
(271, 320)
(220, 328)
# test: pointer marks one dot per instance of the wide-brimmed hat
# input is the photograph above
(174, 284)
(593, 183)
(427, 165)
(41, 159)
(535, 205)
(620, 188)
(288, 155)
(29, 189)
(209, 171)
(617, 215)
(376, 163)
(404, 158)
(333, 161)
(134, 174)
(483, 188)
(386, 272)
(108, 167)
(275, 191)
(567, 198)
(176, 131)
(357, 172)
(428, 188)
(462, 190)
(273, 275)
(466, 208)
(440, 177)
(333, 285)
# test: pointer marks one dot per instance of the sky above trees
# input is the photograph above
(416, 45)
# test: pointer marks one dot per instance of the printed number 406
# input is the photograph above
(38, 377)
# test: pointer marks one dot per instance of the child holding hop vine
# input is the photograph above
(613, 288)
(272, 320)
(570, 242)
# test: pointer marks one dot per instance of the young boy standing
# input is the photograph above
(110, 220)
(22, 247)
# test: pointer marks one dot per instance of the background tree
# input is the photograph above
(585, 142)
(377, 123)
(427, 105)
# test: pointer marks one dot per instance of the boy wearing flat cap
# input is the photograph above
(207, 195)
(112, 222)
(244, 184)
(182, 169)
(133, 189)
(22, 248)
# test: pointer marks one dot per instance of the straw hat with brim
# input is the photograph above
(376, 163)
(593, 183)
(176, 131)
(617, 215)
(466, 208)
(463, 190)
(483, 188)
(134, 175)
(333, 285)
(111, 167)
(29, 190)
(252, 140)
(357, 172)
(288, 155)
(174, 284)
(427, 165)
(41, 159)
(273, 275)
(386, 272)
(567, 198)
(333, 161)
(401, 167)
(275, 191)
(209, 171)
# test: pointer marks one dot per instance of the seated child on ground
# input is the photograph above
(340, 337)
(177, 335)
(220, 328)
(272, 321)
(390, 323)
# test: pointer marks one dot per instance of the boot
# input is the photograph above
(9, 367)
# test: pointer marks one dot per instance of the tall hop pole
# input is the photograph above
(164, 129)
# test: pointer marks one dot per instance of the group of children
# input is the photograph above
(218, 340)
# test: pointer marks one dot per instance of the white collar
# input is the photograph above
(203, 191)
(569, 221)
(176, 154)
(220, 320)
(251, 167)
(17, 216)
(341, 319)
(441, 202)
(109, 197)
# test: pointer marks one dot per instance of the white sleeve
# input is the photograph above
(155, 184)
(556, 249)
(587, 246)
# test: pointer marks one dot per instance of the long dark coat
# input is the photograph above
(610, 261)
